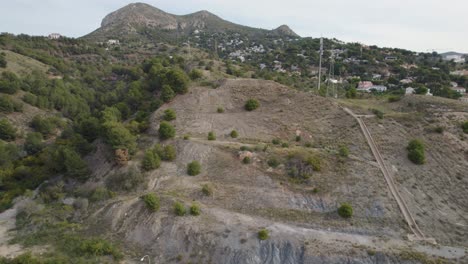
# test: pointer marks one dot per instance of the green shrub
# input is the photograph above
(343, 151)
(284, 145)
(246, 160)
(351, 93)
(128, 181)
(276, 141)
(99, 247)
(315, 162)
(45, 125)
(150, 161)
(101, 194)
(416, 151)
(273, 162)
(245, 148)
(195, 209)
(251, 104)
(7, 130)
(7, 105)
(394, 98)
(119, 137)
(169, 115)
(195, 74)
(186, 137)
(263, 234)
(308, 144)
(378, 113)
(207, 190)
(298, 138)
(465, 127)
(220, 110)
(193, 168)
(151, 201)
(234, 134)
(179, 209)
(168, 153)
(166, 130)
(167, 94)
(211, 136)
(9, 83)
(345, 210)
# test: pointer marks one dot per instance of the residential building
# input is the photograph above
(460, 90)
(406, 81)
(410, 90)
(364, 86)
(55, 36)
(113, 42)
(456, 57)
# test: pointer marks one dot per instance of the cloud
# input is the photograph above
(413, 24)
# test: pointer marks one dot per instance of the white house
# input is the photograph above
(456, 57)
(113, 42)
(410, 90)
(459, 90)
(55, 36)
(406, 81)
(364, 86)
(378, 88)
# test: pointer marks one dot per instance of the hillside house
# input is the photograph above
(410, 91)
(460, 90)
(406, 81)
(457, 58)
(364, 86)
(391, 58)
(113, 42)
(54, 36)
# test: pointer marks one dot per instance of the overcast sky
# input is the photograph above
(420, 25)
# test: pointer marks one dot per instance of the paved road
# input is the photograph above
(417, 233)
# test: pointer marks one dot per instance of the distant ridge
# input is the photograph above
(143, 20)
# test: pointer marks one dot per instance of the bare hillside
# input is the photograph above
(300, 213)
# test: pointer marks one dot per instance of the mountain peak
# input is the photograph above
(134, 18)
(285, 30)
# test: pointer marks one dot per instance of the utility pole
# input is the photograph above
(320, 63)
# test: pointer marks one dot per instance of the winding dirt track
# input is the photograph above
(417, 233)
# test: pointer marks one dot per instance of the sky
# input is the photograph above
(418, 25)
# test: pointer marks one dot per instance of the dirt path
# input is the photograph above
(417, 233)
(7, 222)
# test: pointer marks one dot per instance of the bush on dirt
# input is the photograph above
(193, 168)
(251, 104)
(234, 134)
(211, 136)
(169, 115)
(195, 209)
(207, 190)
(343, 151)
(179, 209)
(151, 201)
(166, 130)
(465, 127)
(151, 161)
(7, 130)
(345, 210)
(416, 151)
(220, 110)
(263, 234)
